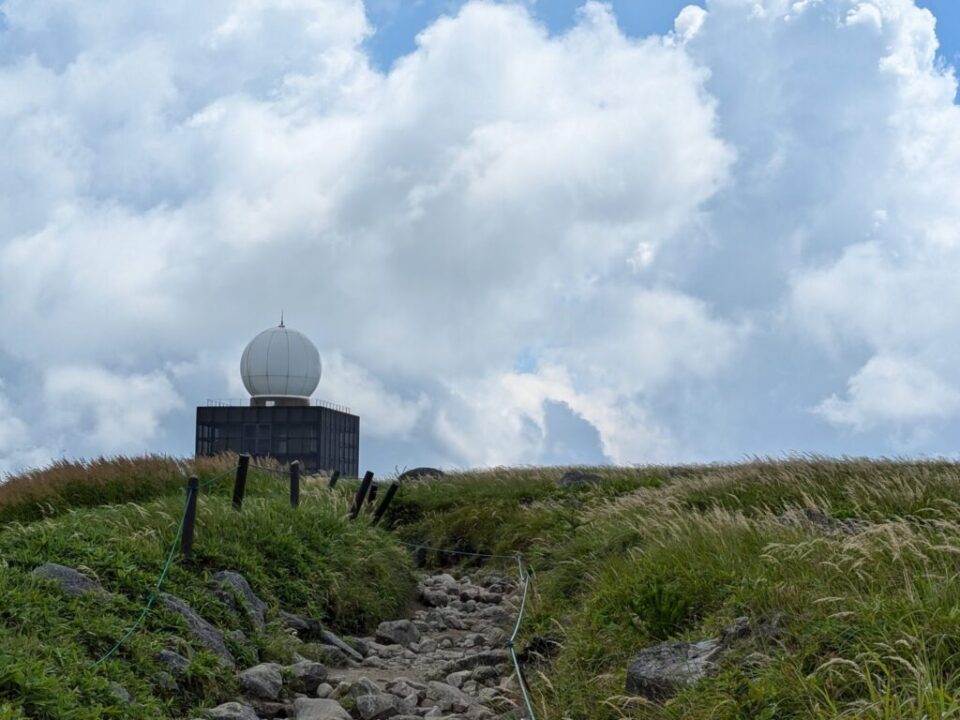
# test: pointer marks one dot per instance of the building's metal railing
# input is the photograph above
(316, 402)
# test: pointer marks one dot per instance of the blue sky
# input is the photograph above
(397, 22)
(513, 247)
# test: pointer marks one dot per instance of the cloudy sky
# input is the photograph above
(541, 232)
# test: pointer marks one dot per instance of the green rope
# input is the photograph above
(153, 595)
(525, 578)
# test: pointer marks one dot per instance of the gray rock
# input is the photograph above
(270, 709)
(329, 638)
(305, 628)
(376, 706)
(166, 681)
(363, 686)
(177, 664)
(232, 589)
(328, 654)
(456, 679)
(659, 672)
(263, 681)
(469, 662)
(578, 478)
(202, 631)
(306, 676)
(319, 709)
(400, 632)
(447, 697)
(71, 581)
(408, 705)
(821, 521)
(421, 472)
(737, 630)
(121, 694)
(324, 690)
(434, 598)
(232, 711)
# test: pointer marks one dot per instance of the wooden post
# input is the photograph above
(190, 518)
(391, 491)
(240, 484)
(374, 489)
(361, 494)
(295, 483)
(333, 479)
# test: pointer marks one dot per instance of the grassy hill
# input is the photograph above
(854, 563)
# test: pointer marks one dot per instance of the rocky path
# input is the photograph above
(447, 660)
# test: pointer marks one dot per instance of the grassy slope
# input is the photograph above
(870, 620)
(310, 560)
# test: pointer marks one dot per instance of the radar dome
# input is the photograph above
(280, 362)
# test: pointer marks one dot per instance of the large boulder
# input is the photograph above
(232, 589)
(263, 681)
(397, 632)
(421, 472)
(306, 676)
(659, 672)
(305, 628)
(319, 709)
(205, 633)
(70, 581)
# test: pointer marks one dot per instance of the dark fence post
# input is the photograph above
(374, 489)
(361, 494)
(295, 483)
(240, 484)
(333, 479)
(391, 491)
(189, 518)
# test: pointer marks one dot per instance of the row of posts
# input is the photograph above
(367, 491)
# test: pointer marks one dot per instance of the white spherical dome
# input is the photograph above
(280, 362)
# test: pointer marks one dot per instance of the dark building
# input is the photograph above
(322, 438)
(281, 369)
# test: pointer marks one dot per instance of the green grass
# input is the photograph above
(311, 560)
(868, 623)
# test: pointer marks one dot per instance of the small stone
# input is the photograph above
(456, 679)
(232, 711)
(363, 686)
(448, 697)
(324, 690)
(376, 706)
(121, 694)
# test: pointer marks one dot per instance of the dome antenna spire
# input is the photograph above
(281, 319)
